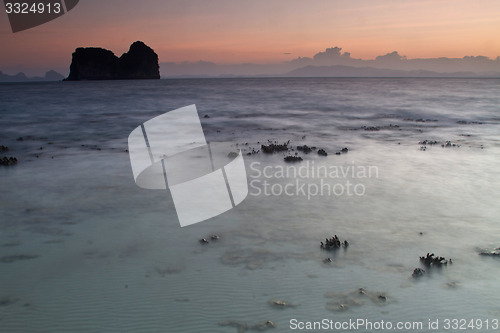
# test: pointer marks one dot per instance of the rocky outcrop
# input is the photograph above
(92, 63)
(334, 243)
(7, 161)
(431, 261)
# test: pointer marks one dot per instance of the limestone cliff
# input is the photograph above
(92, 63)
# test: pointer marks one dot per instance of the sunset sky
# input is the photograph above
(259, 31)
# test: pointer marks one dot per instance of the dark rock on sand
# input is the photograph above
(449, 144)
(292, 158)
(464, 122)
(333, 243)
(446, 144)
(305, 149)
(322, 152)
(213, 237)
(8, 161)
(280, 304)
(253, 152)
(432, 261)
(421, 120)
(274, 147)
(342, 151)
(418, 272)
(428, 142)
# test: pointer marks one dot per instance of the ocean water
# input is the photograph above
(83, 249)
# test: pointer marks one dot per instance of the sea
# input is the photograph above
(84, 249)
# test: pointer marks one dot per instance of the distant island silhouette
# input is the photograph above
(94, 63)
(333, 62)
(21, 77)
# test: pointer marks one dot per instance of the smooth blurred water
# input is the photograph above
(112, 257)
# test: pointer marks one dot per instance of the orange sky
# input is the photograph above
(258, 31)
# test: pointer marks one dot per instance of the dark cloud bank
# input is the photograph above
(335, 63)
